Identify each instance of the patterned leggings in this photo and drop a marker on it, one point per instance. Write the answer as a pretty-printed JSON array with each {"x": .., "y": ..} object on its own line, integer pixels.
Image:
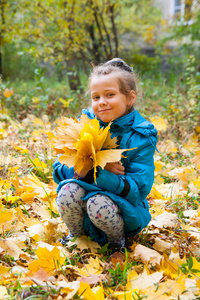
[{"x": 102, "y": 211}]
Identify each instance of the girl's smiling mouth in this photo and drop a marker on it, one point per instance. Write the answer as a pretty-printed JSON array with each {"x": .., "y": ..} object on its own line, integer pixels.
[{"x": 104, "y": 110}]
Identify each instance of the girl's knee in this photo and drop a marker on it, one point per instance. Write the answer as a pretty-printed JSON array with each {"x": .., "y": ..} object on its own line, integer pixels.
[
  {"x": 70, "y": 193},
  {"x": 93, "y": 204},
  {"x": 100, "y": 206}
]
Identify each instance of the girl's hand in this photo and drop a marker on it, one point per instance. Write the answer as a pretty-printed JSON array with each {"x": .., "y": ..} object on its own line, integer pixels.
[{"x": 115, "y": 168}]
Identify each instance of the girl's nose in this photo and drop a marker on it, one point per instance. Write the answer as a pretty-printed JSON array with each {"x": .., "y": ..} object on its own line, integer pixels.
[{"x": 102, "y": 100}]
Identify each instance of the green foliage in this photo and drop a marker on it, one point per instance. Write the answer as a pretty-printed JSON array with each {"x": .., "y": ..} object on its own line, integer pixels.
[
  {"x": 187, "y": 268},
  {"x": 56, "y": 30},
  {"x": 180, "y": 39},
  {"x": 136, "y": 296},
  {"x": 72, "y": 33},
  {"x": 17, "y": 63},
  {"x": 138, "y": 16},
  {"x": 189, "y": 26},
  {"x": 146, "y": 66},
  {"x": 35, "y": 48},
  {"x": 42, "y": 96},
  {"x": 118, "y": 275}
]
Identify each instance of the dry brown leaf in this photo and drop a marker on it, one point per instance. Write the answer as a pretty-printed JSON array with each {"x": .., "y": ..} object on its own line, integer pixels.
[
  {"x": 144, "y": 280},
  {"x": 118, "y": 257},
  {"x": 83, "y": 243},
  {"x": 196, "y": 159},
  {"x": 87, "y": 271},
  {"x": 161, "y": 246},
  {"x": 167, "y": 290},
  {"x": 11, "y": 248},
  {"x": 3, "y": 292},
  {"x": 4, "y": 271},
  {"x": 40, "y": 274},
  {"x": 147, "y": 255},
  {"x": 164, "y": 220},
  {"x": 69, "y": 289},
  {"x": 93, "y": 279}
]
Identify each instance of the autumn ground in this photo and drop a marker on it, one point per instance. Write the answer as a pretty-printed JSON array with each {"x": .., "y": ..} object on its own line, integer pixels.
[{"x": 163, "y": 261}]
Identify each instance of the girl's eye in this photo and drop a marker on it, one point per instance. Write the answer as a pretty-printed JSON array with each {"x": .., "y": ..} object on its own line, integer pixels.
[{"x": 95, "y": 98}]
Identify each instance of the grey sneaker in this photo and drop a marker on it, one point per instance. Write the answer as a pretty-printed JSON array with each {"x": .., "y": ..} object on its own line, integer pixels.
[{"x": 66, "y": 239}]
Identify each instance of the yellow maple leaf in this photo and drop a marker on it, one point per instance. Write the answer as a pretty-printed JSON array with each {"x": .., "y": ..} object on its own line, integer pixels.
[
  {"x": 28, "y": 197},
  {"x": 40, "y": 165},
  {"x": 112, "y": 155},
  {"x": 39, "y": 122},
  {"x": 198, "y": 283},
  {"x": 4, "y": 271},
  {"x": 38, "y": 186},
  {"x": 66, "y": 102},
  {"x": 5, "y": 215},
  {"x": 96, "y": 293},
  {"x": 8, "y": 93},
  {"x": 47, "y": 260},
  {"x": 21, "y": 149},
  {"x": 158, "y": 166},
  {"x": 128, "y": 295},
  {"x": 12, "y": 199},
  {"x": 3, "y": 133},
  {"x": 169, "y": 289},
  {"x": 142, "y": 281},
  {"x": 196, "y": 159},
  {"x": 160, "y": 123},
  {"x": 197, "y": 128},
  {"x": 196, "y": 265},
  {"x": 93, "y": 267},
  {"x": 51, "y": 137},
  {"x": 110, "y": 143},
  {"x": 4, "y": 184},
  {"x": 155, "y": 194},
  {"x": 83, "y": 140},
  {"x": 13, "y": 169}
]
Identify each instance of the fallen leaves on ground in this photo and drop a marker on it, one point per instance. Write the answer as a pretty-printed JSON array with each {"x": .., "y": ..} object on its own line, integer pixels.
[{"x": 163, "y": 261}]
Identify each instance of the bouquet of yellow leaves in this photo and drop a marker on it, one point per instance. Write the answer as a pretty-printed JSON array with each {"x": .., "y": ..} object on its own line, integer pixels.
[{"x": 80, "y": 141}]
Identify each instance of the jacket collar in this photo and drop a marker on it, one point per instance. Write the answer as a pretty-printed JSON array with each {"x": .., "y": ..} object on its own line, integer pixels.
[{"x": 133, "y": 119}]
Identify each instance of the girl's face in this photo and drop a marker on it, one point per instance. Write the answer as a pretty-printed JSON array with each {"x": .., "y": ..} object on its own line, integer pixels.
[{"x": 108, "y": 102}]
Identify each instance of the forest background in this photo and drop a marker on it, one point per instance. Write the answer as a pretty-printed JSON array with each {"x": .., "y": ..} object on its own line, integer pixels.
[{"x": 48, "y": 49}]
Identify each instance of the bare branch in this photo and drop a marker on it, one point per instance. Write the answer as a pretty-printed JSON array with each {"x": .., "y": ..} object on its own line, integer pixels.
[
  {"x": 99, "y": 28},
  {"x": 107, "y": 35},
  {"x": 114, "y": 29}
]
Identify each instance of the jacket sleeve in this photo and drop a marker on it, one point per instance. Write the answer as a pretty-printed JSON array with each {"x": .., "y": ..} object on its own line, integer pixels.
[
  {"x": 61, "y": 172},
  {"x": 137, "y": 182}
]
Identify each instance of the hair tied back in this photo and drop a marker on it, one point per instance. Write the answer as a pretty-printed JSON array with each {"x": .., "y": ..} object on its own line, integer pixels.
[{"x": 120, "y": 64}]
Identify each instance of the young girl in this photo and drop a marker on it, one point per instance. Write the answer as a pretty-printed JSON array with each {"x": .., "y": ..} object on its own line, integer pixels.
[{"x": 115, "y": 207}]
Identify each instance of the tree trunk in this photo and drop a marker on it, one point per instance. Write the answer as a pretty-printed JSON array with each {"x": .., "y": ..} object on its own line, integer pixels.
[
  {"x": 72, "y": 70},
  {"x": 73, "y": 75},
  {"x": 1, "y": 36},
  {"x": 95, "y": 45},
  {"x": 1, "y": 69}
]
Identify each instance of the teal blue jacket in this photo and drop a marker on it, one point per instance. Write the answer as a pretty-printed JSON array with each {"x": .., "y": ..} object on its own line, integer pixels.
[{"x": 128, "y": 191}]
